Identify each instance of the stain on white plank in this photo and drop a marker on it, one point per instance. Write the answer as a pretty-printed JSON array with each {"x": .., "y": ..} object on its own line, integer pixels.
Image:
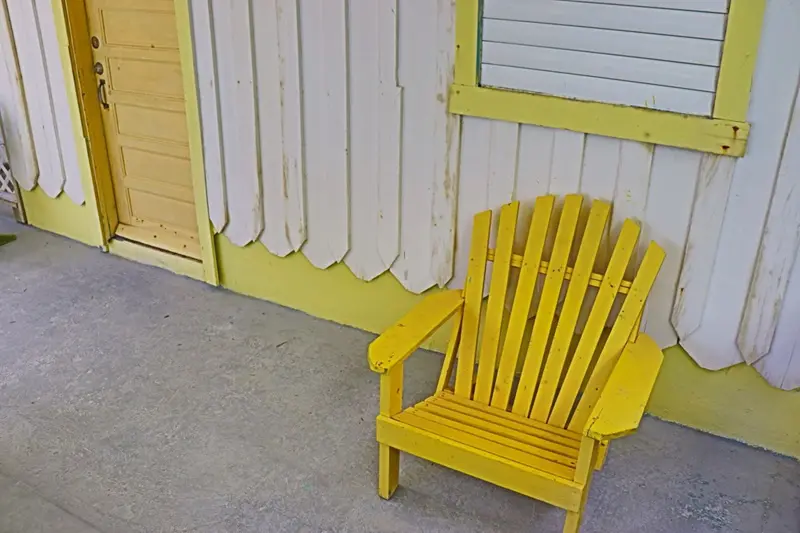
[
  {"x": 429, "y": 145},
  {"x": 781, "y": 367},
  {"x": 325, "y": 137},
  {"x": 280, "y": 125},
  {"x": 232, "y": 25},
  {"x": 206, "y": 79},
  {"x": 65, "y": 132},
  {"x": 713, "y": 344},
  {"x": 701, "y": 248},
  {"x": 534, "y": 162},
  {"x": 374, "y": 113},
  {"x": 669, "y": 203},
  {"x": 776, "y": 255},
  {"x": 620, "y": 43},
  {"x": 13, "y": 109},
  {"x": 598, "y": 182},
  {"x": 36, "y": 85}
]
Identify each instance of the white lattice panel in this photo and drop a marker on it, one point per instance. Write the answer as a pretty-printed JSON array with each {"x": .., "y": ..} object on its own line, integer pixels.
[{"x": 7, "y": 188}]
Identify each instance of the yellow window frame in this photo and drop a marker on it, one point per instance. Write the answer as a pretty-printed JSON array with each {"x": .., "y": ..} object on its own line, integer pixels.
[{"x": 725, "y": 132}]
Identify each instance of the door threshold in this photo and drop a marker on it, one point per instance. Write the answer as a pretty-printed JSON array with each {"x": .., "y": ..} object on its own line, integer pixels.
[{"x": 142, "y": 253}]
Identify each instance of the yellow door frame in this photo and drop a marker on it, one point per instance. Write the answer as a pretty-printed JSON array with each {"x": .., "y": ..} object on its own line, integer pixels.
[{"x": 73, "y": 34}]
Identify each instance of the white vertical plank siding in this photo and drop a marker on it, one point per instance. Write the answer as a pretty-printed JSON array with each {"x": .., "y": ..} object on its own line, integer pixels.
[
  {"x": 567, "y": 163},
  {"x": 701, "y": 249},
  {"x": 630, "y": 194},
  {"x": 713, "y": 344},
  {"x": 429, "y": 145},
  {"x": 232, "y": 25},
  {"x": 486, "y": 181},
  {"x": 598, "y": 181},
  {"x": 446, "y": 144},
  {"x": 781, "y": 367},
  {"x": 34, "y": 77},
  {"x": 325, "y": 137},
  {"x": 534, "y": 161},
  {"x": 776, "y": 255},
  {"x": 13, "y": 110},
  {"x": 67, "y": 147},
  {"x": 206, "y": 79},
  {"x": 390, "y": 187},
  {"x": 280, "y": 125},
  {"x": 374, "y": 113},
  {"x": 669, "y": 204}
]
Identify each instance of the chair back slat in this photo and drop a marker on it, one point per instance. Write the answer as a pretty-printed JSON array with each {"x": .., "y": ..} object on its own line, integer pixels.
[
  {"x": 504, "y": 249},
  {"x": 620, "y": 333},
  {"x": 553, "y": 282},
  {"x": 473, "y": 296},
  {"x": 529, "y": 272},
  {"x": 582, "y": 358},
  {"x": 570, "y": 310}
]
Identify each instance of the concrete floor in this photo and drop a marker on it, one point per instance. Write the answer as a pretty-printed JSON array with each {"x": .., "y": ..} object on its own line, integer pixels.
[{"x": 132, "y": 399}]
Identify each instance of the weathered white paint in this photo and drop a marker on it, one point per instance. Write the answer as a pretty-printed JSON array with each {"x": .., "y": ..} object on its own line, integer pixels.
[
  {"x": 324, "y": 73},
  {"x": 630, "y": 194},
  {"x": 374, "y": 113},
  {"x": 429, "y": 144},
  {"x": 232, "y": 31},
  {"x": 280, "y": 121},
  {"x": 713, "y": 344},
  {"x": 25, "y": 26},
  {"x": 698, "y": 262},
  {"x": 612, "y": 16},
  {"x": 776, "y": 255},
  {"x": 13, "y": 110},
  {"x": 415, "y": 176},
  {"x": 208, "y": 97}
]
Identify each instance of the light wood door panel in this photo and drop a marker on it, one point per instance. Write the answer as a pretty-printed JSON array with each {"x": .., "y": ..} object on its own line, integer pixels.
[{"x": 145, "y": 121}]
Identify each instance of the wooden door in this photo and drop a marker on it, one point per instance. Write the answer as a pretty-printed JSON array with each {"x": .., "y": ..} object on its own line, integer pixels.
[{"x": 140, "y": 85}]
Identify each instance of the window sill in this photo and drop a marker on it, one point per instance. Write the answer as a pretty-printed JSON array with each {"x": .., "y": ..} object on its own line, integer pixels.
[{"x": 716, "y": 136}]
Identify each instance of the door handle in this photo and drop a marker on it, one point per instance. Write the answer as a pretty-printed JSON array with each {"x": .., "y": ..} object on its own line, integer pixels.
[{"x": 101, "y": 94}]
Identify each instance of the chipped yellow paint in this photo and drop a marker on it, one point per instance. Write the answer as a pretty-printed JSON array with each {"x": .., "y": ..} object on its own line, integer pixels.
[{"x": 400, "y": 340}]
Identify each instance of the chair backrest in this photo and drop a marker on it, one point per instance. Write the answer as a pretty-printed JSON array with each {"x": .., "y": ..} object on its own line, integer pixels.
[{"x": 562, "y": 373}]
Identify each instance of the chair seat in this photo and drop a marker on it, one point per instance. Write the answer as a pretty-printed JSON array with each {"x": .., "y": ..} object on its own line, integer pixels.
[{"x": 497, "y": 432}]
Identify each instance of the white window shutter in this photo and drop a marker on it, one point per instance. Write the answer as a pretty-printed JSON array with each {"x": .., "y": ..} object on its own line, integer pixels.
[{"x": 659, "y": 54}]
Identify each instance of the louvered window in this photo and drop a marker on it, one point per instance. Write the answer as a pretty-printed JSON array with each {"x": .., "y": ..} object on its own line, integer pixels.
[{"x": 659, "y": 54}]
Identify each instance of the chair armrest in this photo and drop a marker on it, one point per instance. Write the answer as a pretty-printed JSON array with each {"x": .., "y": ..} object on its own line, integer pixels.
[
  {"x": 400, "y": 340},
  {"x": 621, "y": 405}
]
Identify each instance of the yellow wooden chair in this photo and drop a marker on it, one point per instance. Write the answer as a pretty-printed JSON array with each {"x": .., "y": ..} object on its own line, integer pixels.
[{"x": 543, "y": 434}]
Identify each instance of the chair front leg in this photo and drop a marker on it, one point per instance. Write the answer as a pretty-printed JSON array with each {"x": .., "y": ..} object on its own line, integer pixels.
[
  {"x": 391, "y": 403},
  {"x": 587, "y": 459},
  {"x": 602, "y": 453}
]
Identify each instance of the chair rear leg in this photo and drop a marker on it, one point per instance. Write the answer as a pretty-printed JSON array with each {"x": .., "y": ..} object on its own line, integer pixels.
[{"x": 388, "y": 470}]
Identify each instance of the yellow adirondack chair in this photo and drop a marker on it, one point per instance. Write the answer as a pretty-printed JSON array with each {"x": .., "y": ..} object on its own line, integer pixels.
[{"x": 543, "y": 434}]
